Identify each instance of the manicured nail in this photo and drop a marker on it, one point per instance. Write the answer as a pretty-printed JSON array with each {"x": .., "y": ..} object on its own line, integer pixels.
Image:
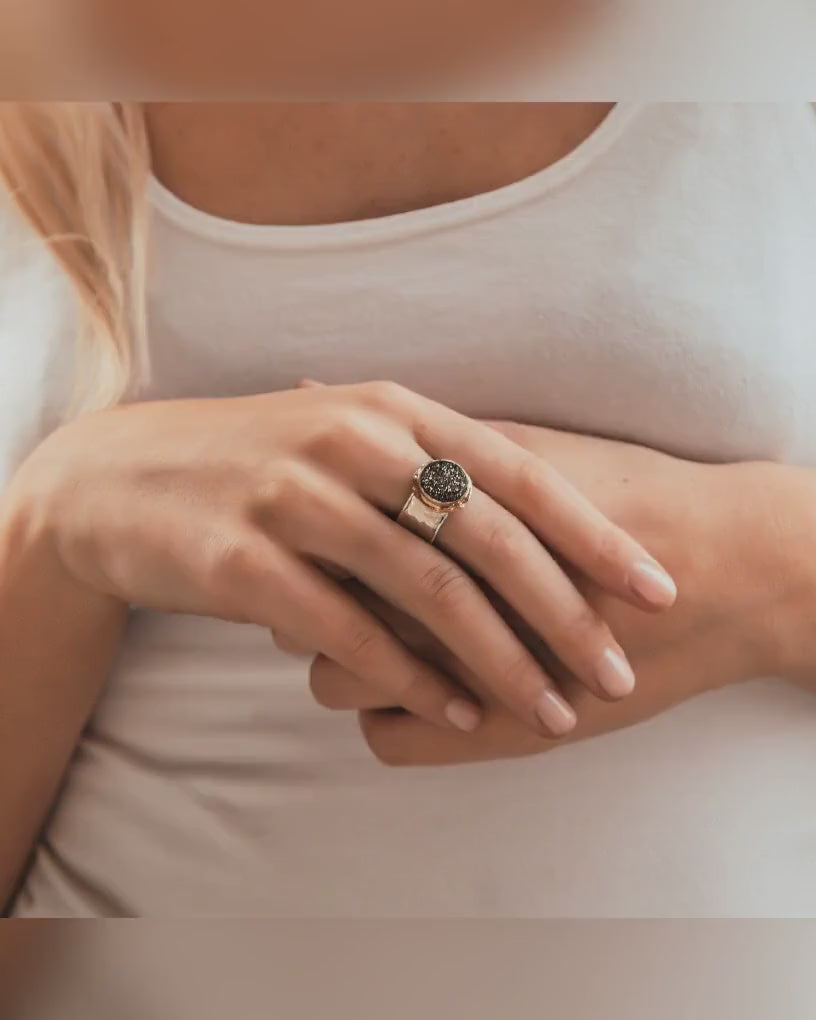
[
  {"x": 557, "y": 715},
  {"x": 652, "y": 583},
  {"x": 464, "y": 715},
  {"x": 615, "y": 674}
]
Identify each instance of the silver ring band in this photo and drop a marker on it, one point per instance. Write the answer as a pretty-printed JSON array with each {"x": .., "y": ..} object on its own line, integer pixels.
[
  {"x": 438, "y": 489},
  {"x": 421, "y": 519}
]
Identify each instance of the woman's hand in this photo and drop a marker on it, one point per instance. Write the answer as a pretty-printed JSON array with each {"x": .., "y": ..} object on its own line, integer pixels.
[
  {"x": 734, "y": 536},
  {"x": 224, "y": 508}
]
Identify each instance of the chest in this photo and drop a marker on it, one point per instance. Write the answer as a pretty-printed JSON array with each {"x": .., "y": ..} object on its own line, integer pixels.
[{"x": 663, "y": 295}]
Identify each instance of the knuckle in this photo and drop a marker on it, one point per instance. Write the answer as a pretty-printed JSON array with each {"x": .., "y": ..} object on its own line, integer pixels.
[
  {"x": 384, "y": 395},
  {"x": 292, "y": 483},
  {"x": 325, "y": 692},
  {"x": 343, "y": 430},
  {"x": 287, "y": 644},
  {"x": 504, "y": 542},
  {"x": 519, "y": 674},
  {"x": 380, "y": 740},
  {"x": 585, "y": 629},
  {"x": 412, "y": 688},
  {"x": 511, "y": 430},
  {"x": 361, "y": 645},
  {"x": 610, "y": 548},
  {"x": 447, "y": 585},
  {"x": 389, "y": 754},
  {"x": 533, "y": 482},
  {"x": 229, "y": 563}
]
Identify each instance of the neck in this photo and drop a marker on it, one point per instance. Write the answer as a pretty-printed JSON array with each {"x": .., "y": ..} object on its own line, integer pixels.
[{"x": 303, "y": 163}]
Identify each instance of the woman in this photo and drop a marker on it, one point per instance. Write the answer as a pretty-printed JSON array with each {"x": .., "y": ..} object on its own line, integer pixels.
[{"x": 609, "y": 270}]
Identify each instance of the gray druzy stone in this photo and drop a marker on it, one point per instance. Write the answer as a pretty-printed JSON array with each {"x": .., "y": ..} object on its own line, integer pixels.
[{"x": 444, "y": 481}]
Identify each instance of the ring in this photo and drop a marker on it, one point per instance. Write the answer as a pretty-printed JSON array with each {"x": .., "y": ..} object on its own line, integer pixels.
[{"x": 439, "y": 487}]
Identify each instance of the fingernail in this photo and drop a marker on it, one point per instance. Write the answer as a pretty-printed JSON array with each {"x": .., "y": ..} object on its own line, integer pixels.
[
  {"x": 557, "y": 715},
  {"x": 652, "y": 583},
  {"x": 306, "y": 384},
  {"x": 614, "y": 674},
  {"x": 464, "y": 715}
]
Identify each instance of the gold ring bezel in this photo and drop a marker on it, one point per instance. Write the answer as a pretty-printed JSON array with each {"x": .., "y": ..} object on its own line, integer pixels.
[{"x": 435, "y": 504}]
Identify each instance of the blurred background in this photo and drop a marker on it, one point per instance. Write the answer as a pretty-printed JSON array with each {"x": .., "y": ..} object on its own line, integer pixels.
[
  {"x": 569, "y": 970},
  {"x": 444, "y": 49}
]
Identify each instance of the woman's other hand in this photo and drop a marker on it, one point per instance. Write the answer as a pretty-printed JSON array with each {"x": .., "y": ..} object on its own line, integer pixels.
[{"x": 718, "y": 528}]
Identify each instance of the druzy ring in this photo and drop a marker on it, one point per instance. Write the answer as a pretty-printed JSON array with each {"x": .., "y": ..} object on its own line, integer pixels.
[{"x": 438, "y": 488}]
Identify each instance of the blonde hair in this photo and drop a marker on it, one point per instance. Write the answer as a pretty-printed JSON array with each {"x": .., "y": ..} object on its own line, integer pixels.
[{"x": 78, "y": 172}]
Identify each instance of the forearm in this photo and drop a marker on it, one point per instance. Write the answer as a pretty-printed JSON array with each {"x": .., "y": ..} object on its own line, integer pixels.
[
  {"x": 57, "y": 643},
  {"x": 779, "y": 502}
]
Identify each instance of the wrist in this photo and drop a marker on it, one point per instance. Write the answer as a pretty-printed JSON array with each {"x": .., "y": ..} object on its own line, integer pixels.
[
  {"x": 773, "y": 564},
  {"x": 30, "y": 561},
  {"x": 32, "y": 539}
]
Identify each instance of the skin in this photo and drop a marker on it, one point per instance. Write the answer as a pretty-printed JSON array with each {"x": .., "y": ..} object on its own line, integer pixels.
[
  {"x": 735, "y": 536},
  {"x": 226, "y": 508},
  {"x": 88, "y": 525},
  {"x": 298, "y": 164},
  {"x": 216, "y": 507}
]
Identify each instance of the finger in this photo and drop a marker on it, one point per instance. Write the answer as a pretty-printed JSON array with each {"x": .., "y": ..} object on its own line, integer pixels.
[
  {"x": 308, "y": 384},
  {"x": 500, "y": 549},
  {"x": 331, "y": 522},
  {"x": 537, "y": 494},
  {"x": 409, "y": 630},
  {"x": 289, "y": 645},
  {"x": 336, "y": 688},
  {"x": 269, "y": 586},
  {"x": 564, "y": 518},
  {"x": 398, "y": 739},
  {"x": 403, "y": 740}
]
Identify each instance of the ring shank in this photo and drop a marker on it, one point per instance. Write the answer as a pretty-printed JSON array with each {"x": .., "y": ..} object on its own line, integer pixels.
[{"x": 421, "y": 519}]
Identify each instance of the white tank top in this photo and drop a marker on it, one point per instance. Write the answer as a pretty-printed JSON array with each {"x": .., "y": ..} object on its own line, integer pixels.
[{"x": 655, "y": 285}]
